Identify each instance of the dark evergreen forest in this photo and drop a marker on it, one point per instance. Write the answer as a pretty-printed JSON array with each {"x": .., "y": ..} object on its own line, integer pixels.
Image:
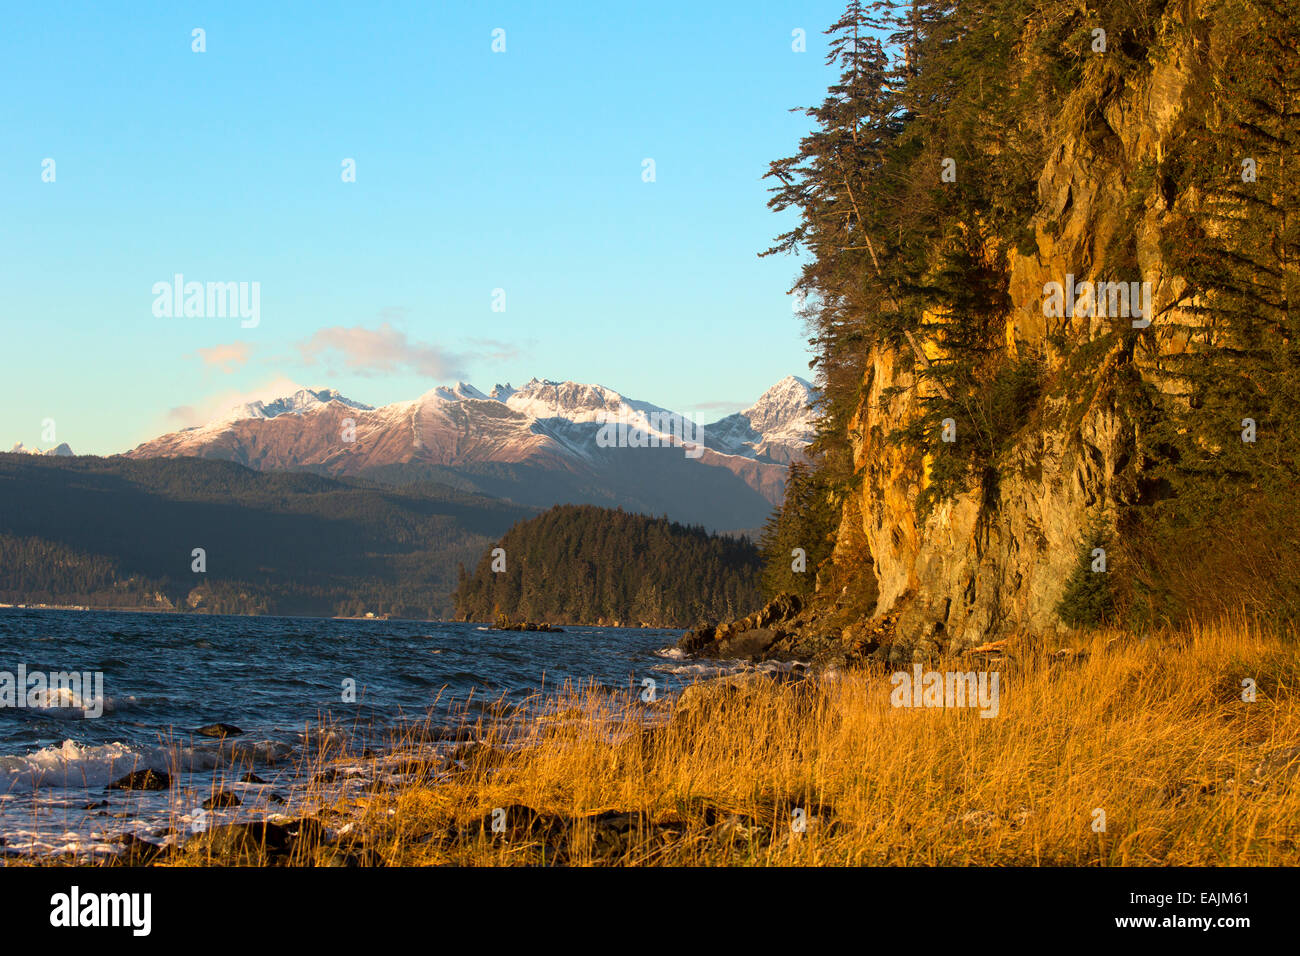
[{"x": 580, "y": 564}]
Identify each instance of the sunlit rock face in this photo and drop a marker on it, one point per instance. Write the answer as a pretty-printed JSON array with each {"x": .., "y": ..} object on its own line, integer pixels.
[{"x": 994, "y": 560}]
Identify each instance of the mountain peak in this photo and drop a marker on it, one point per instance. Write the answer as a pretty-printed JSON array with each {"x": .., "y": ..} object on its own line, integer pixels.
[
  {"x": 302, "y": 399},
  {"x": 785, "y": 402},
  {"x": 578, "y": 402},
  {"x": 462, "y": 390},
  {"x": 62, "y": 450},
  {"x": 777, "y": 427},
  {"x": 792, "y": 386}
]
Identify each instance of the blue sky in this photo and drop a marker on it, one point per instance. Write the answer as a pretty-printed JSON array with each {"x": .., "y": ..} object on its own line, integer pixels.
[{"x": 475, "y": 171}]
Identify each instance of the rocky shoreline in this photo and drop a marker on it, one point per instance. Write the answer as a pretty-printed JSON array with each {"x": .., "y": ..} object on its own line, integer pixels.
[
  {"x": 332, "y": 836},
  {"x": 787, "y": 628},
  {"x": 818, "y": 765}
]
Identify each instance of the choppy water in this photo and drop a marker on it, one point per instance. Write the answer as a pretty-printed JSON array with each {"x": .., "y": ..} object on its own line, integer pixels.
[{"x": 278, "y": 679}]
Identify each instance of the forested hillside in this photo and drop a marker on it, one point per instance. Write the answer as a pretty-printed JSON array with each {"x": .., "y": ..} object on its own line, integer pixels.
[
  {"x": 983, "y": 441},
  {"x": 115, "y": 532},
  {"x": 581, "y": 564}
]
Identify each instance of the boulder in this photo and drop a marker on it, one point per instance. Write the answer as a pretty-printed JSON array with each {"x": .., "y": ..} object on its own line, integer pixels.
[
  {"x": 219, "y": 730},
  {"x": 697, "y": 639},
  {"x": 260, "y": 841},
  {"x": 749, "y": 637},
  {"x": 142, "y": 780},
  {"x": 221, "y": 800},
  {"x": 136, "y": 851},
  {"x": 750, "y": 644}
]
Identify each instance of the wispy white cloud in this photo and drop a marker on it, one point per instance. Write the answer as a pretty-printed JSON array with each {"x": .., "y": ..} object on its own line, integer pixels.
[
  {"x": 381, "y": 351},
  {"x": 226, "y": 358}
]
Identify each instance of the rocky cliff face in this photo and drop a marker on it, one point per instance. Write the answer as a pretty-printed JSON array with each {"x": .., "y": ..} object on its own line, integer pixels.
[
  {"x": 1041, "y": 397},
  {"x": 994, "y": 559}
]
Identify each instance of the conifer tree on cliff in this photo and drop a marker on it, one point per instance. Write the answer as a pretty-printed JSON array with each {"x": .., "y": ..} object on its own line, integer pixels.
[{"x": 828, "y": 182}]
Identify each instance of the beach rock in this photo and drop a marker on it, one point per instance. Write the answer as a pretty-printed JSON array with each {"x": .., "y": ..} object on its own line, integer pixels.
[
  {"x": 749, "y": 644},
  {"x": 251, "y": 777},
  {"x": 219, "y": 730},
  {"x": 136, "y": 851},
  {"x": 783, "y": 607},
  {"x": 749, "y": 637},
  {"x": 698, "y": 638},
  {"x": 142, "y": 780},
  {"x": 262, "y": 841},
  {"x": 220, "y": 800}
]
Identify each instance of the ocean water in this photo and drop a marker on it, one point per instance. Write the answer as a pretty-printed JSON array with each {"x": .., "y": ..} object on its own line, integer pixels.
[{"x": 278, "y": 679}]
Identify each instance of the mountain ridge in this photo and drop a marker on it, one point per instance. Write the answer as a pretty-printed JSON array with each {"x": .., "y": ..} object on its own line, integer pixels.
[{"x": 539, "y": 444}]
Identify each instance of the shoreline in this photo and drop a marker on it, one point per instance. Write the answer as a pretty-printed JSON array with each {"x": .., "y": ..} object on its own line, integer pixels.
[
  {"x": 278, "y": 680},
  {"x": 429, "y": 751},
  {"x": 201, "y": 613},
  {"x": 332, "y": 617},
  {"x": 821, "y": 768}
]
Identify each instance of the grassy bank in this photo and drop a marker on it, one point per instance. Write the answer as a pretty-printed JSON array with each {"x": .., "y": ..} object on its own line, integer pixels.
[{"x": 1154, "y": 733}]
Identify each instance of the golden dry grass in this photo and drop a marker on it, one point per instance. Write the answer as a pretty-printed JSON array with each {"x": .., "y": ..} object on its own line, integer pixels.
[{"x": 1155, "y": 733}]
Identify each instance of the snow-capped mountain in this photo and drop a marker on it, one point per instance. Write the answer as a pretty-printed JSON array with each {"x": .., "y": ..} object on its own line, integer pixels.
[
  {"x": 541, "y": 443},
  {"x": 777, "y": 427},
  {"x": 462, "y": 390},
  {"x": 572, "y": 401},
  {"x": 300, "y": 401},
  {"x": 61, "y": 450}
]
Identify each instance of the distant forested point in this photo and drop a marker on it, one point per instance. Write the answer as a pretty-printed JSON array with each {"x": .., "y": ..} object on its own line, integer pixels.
[{"x": 580, "y": 564}]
